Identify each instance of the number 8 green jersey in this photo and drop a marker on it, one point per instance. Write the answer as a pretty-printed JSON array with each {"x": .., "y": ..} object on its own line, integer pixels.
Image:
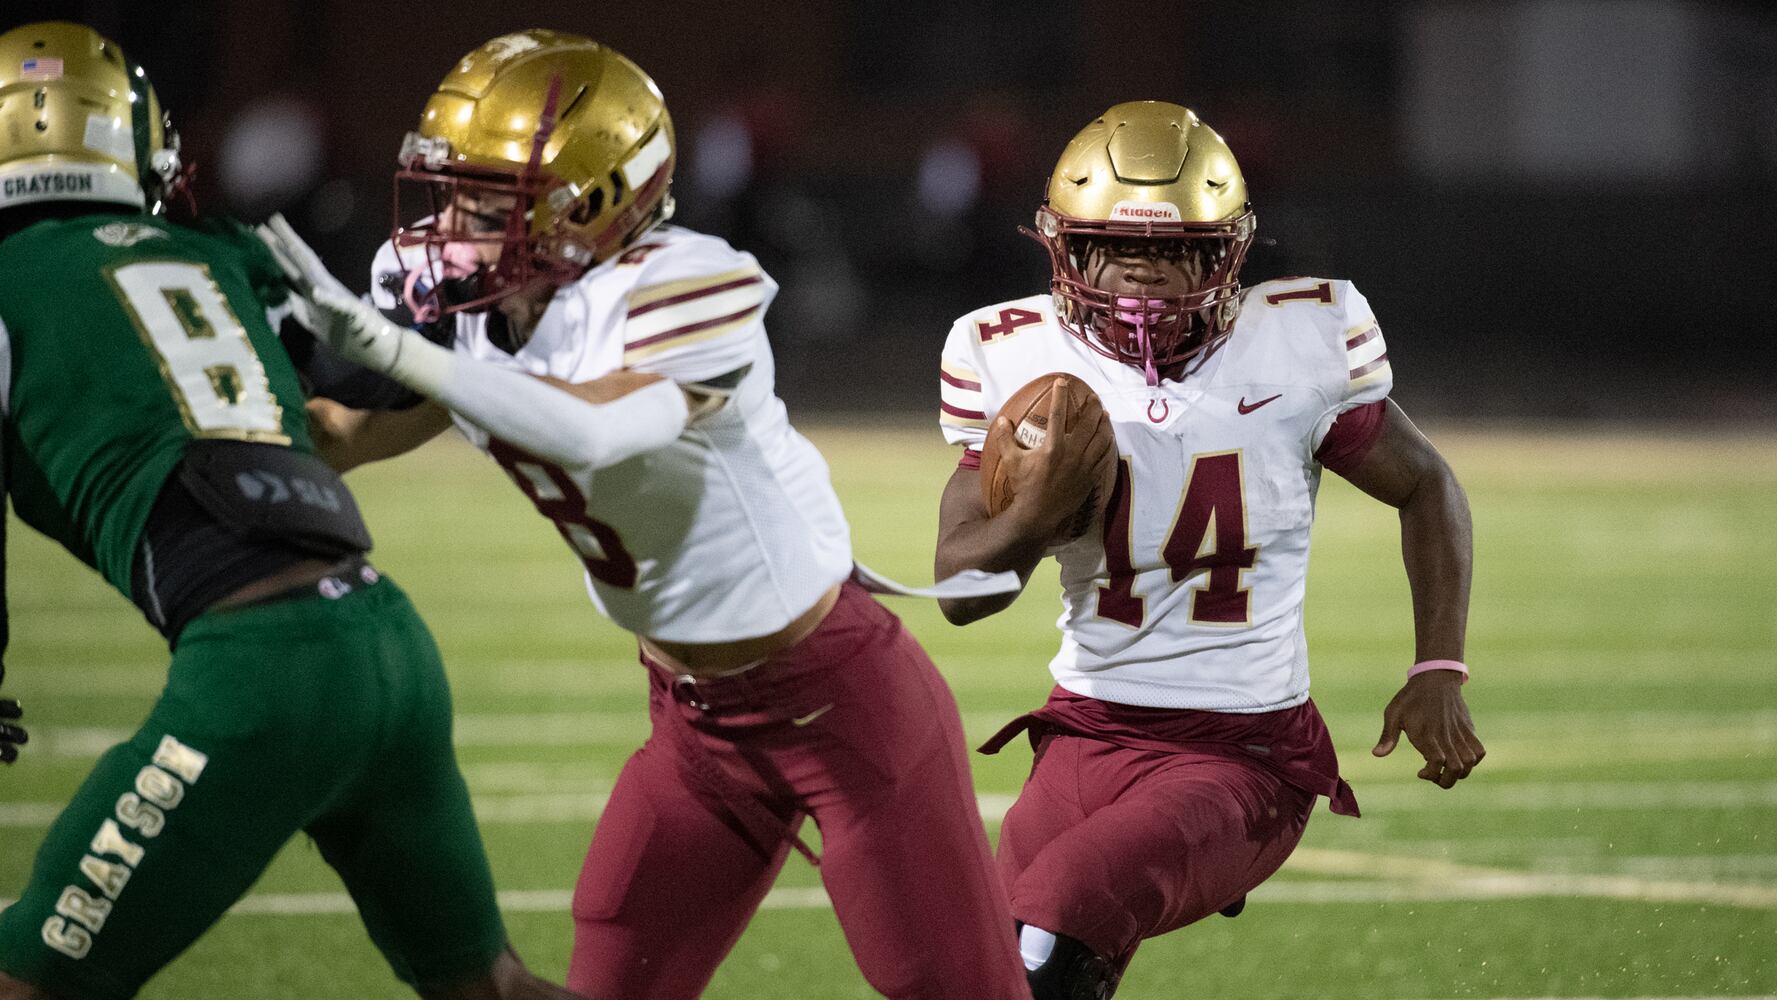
[{"x": 122, "y": 338}]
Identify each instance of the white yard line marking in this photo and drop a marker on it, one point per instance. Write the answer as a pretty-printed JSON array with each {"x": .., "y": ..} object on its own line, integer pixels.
[
  {"x": 511, "y": 901},
  {"x": 1579, "y": 856},
  {"x": 549, "y": 679},
  {"x": 1543, "y": 726},
  {"x": 312, "y": 904},
  {"x": 1288, "y": 892},
  {"x": 555, "y": 802},
  {"x": 1433, "y": 879},
  {"x": 1734, "y": 736},
  {"x": 29, "y": 815},
  {"x": 1398, "y": 878},
  {"x": 1564, "y": 796},
  {"x": 78, "y": 742},
  {"x": 552, "y": 729}
]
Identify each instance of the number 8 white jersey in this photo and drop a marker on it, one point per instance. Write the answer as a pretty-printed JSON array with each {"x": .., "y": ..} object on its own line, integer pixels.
[
  {"x": 1191, "y": 596},
  {"x": 732, "y": 530}
]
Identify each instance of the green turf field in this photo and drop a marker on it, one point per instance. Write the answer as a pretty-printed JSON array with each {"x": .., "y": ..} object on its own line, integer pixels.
[{"x": 1619, "y": 841}]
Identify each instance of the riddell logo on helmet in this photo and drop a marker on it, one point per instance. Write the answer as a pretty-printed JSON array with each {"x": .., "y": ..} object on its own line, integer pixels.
[{"x": 1147, "y": 211}]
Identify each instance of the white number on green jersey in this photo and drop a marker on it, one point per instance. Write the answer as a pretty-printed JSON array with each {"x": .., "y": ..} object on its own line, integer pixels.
[{"x": 203, "y": 351}]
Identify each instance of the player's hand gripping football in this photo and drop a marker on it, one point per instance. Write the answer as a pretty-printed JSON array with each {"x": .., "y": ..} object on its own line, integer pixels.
[
  {"x": 1048, "y": 482},
  {"x": 1430, "y": 710},
  {"x": 12, "y": 735},
  {"x": 343, "y": 322}
]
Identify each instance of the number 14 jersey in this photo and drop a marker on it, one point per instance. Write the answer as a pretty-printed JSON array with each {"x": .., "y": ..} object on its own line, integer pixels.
[{"x": 1190, "y": 593}]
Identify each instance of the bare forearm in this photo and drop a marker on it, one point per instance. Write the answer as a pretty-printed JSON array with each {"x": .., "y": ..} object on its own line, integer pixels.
[
  {"x": 969, "y": 539},
  {"x": 991, "y": 544},
  {"x": 347, "y": 438},
  {"x": 1437, "y": 547}
]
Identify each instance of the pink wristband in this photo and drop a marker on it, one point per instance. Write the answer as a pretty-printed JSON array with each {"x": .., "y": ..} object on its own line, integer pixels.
[{"x": 1422, "y": 666}]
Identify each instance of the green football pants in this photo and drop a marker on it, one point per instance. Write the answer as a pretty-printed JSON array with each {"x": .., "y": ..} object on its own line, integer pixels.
[{"x": 329, "y": 715}]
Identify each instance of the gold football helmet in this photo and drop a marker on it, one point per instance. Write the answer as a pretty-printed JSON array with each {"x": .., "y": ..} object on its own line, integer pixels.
[
  {"x": 79, "y": 122},
  {"x": 1151, "y": 171},
  {"x": 578, "y": 135}
]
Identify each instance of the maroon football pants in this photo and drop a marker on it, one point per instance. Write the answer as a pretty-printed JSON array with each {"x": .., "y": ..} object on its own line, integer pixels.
[
  {"x": 852, "y": 727},
  {"x": 1110, "y": 845}
]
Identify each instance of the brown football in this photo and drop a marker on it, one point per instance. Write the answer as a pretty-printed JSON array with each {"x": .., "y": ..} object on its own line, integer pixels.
[{"x": 1028, "y": 412}]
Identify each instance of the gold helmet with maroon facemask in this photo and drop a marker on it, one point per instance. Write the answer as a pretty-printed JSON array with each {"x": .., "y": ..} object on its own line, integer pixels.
[
  {"x": 1152, "y": 172},
  {"x": 574, "y": 133}
]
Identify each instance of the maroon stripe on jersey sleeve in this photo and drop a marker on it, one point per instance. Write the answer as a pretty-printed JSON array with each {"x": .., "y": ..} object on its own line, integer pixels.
[
  {"x": 1351, "y": 436},
  {"x": 696, "y": 293},
  {"x": 957, "y": 411},
  {"x": 689, "y": 328},
  {"x": 1361, "y": 370},
  {"x": 1362, "y": 338},
  {"x": 960, "y": 383}
]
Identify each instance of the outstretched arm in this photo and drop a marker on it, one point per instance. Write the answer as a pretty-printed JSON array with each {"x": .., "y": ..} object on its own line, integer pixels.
[
  {"x": 1404, "y": 470},
  {"x": 548, "y": 418}
]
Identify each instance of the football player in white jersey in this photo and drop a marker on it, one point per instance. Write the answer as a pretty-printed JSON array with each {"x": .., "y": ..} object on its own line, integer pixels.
[
  {"x": 1179, "y": 754},
  {"x": 618, "y": 369}
]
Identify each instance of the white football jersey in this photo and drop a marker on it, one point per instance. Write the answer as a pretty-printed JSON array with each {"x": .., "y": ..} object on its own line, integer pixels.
[
  {"x": 731, "y": 531},
  {"x": 1191, "y": 596}
]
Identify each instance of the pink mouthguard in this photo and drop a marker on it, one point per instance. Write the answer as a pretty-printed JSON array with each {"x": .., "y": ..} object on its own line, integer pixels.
[{"x": 458, "y": 260}]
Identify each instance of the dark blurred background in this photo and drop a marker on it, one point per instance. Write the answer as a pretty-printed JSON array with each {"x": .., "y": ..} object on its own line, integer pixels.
[{"x": 1558, "y": 208}]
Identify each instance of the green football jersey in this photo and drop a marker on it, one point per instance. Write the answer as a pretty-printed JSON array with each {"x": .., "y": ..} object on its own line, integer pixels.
[{"x": 122, "y": 338}]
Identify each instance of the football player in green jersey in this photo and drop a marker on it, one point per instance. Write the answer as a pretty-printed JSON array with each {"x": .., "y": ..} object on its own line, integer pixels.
[{"x": 153, "y": 426}]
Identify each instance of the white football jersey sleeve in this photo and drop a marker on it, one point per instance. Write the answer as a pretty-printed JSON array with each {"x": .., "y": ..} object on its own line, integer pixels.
[
  {"x": 694, "y": 314},
  {"x": 965, "y": 380},
  {"x": 1368, "y": 377},
  {"x": 1191, "y": 594},
  {"x": 732, "y": 530}
]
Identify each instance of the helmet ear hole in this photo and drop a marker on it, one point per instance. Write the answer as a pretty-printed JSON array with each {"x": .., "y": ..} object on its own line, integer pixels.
[{"x": 588, "y": 208}]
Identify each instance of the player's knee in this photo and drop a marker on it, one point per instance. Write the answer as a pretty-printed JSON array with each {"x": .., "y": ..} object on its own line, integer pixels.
[{"x": 1063, "y": 968}]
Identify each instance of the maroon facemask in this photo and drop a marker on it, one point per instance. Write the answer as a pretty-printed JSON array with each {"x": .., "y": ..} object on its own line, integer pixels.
[
  {"x": 1153, "y": 334},
  {"x": 449, "y": 251},
  {"x": 450, "y": 257}
]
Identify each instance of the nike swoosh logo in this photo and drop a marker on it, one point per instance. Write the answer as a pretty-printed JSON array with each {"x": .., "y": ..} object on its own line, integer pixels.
[
  {"x": 803, "y": 720},
  {"x": 1244, "y": 408}
]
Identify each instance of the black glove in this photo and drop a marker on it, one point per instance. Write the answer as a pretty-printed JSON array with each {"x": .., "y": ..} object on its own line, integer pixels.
[{"x": 12, "y": 736}]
